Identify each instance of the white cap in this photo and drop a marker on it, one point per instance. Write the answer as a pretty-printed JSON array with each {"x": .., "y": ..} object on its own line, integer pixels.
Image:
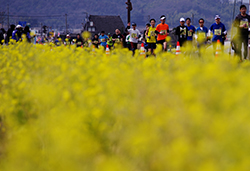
[
  {"x": 182, "y": 19},
  {"x": 67, "y": 35},
  {"x": 216, "y": 17},
  {"x": 163, "y": 18},
  {"x": 18, "y": 26}
]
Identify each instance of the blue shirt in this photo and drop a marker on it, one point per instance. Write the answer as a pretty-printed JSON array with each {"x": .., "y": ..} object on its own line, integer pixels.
[
  {"x": 218, "y": 30},
  {"x": 103, "y": 39},
  {"x": 202, "y": 34},
  {"x": 14, "y": 35},
  {"x": 190, "y": 34},
  {"x": 203, "y": 29}
]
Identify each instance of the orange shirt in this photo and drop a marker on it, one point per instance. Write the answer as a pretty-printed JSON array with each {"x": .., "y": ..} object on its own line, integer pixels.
[{"x": 164, "y": 29}]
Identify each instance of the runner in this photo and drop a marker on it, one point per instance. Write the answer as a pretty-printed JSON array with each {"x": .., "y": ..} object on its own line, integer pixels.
[
  {"x": 67, "y": 41},
  {"x": 117, "y": 37},
  {"x": 219, "y": 30},
  {"x": 145, "y": 39},
  {"x": 191, "y": 29},
  {"x": 162, "y": 30},
  {"x": 201, "y": 33},
  {"x": 151, "y": 37},
  {"x": 17, "y": 33},
  {"x": 134, "y": 36},
  {"x": 26, "y": 32},
  {"x": 103, "y": 39},
  {"x": 57, "y": 41},
  {"x": 110, "y": 41},
  {"x": 242, "y": 23},
  {"x": 2, "y": 36},
  {"x": 182, "y": 32},
  {"x": 9, "y": 33},
  {"x": 79, "y": 41},
  {"x": 95, "y": 41}
]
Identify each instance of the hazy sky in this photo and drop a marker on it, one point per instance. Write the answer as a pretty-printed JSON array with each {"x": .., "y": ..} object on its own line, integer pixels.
[{"x": 244, "y": 1}]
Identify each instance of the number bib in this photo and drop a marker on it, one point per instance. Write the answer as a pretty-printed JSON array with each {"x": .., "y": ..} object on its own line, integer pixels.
[
  {"x": 164, "y": 32},
  {"x": 217, "y": 32},
  {"x": 190, "y": 34},
  {"x": 103, "y": 40},
  {"x": 152, "y": 33},
  {"x": 242, "y": 22},
  {"x": 133, "y": 35},
  {"x": 202, "y": 35},
  {"x": 184, "y": 31}
]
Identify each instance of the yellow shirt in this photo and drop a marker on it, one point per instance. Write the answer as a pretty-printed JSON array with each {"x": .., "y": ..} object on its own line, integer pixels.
[{"x": 151, "y": 35}]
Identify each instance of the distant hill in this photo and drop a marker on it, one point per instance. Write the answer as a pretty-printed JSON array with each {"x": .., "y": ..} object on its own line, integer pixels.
[{"x": 143, "y": 10}]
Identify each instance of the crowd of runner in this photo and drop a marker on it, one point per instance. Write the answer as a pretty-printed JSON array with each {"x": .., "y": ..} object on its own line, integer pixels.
[{"x": 151, "y": 37}]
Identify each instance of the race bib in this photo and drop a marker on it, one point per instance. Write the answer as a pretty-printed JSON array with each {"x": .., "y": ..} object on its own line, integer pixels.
[
  {"x": 164, "y": 32},
  {"x": 152, "y": 33},
  {"x": 133, "y": 35},
  {"x": 190, "y": 34},
  {"x": 117, "y": 40},
  {"x": 202, "y": 35},
  {"x": 103, "y": 40},
  {"x": 217, "y": 32},
  {"x": 183, "y": 31},
  {"x": 79, "y": 43},
  {"x": 243, "y": 22}
]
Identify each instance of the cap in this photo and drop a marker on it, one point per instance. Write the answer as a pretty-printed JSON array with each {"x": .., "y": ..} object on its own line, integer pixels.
[
  {"x": 108, "y": 33},
  {"x": 18, "y": 26},
  {"x": 182, "y": 19},
  {"x": 133, "y": 24},
  {"x": 216, "y": 17},
  {"x": 67, "y": 35},
  {"x": 163, "y": 17}
]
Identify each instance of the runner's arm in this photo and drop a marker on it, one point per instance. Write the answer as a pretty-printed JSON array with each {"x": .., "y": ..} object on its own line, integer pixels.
[
  {"x": 224, "y": 30},
  {"x": 139, "y": 35},
  {"x": 177, "y": 31},
  {"x": 127, "y": 29}
]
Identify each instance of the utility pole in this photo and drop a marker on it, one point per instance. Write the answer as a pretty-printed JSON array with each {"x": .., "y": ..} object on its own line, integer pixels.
[
  {"x": 129, "y": 7},
  {"x": 249, "y": 7},
  {"x": 234, "y": 8},
  {"x": 192, "y": 18},
  {"x": 230, "y": 51},
  {"x": 8, "y": 18},
  {"x": 66, "y": 22},
  {"x": 41, "y": 29}
]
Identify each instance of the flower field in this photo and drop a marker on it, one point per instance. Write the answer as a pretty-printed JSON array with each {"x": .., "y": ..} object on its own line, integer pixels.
[{"x": 78, "y": 109}]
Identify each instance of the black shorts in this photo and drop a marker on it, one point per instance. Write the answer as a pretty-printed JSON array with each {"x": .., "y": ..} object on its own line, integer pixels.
[
  {"x": 161, "y": 41},
  {"x": 151, "y": 45}
]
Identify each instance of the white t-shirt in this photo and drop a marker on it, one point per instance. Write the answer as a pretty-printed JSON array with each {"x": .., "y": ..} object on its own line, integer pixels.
[{"x": 133, "y": 34}]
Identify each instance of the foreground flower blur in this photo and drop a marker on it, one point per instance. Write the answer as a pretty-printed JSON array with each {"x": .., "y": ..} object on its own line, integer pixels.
[{"x": 75, "y": 109}]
